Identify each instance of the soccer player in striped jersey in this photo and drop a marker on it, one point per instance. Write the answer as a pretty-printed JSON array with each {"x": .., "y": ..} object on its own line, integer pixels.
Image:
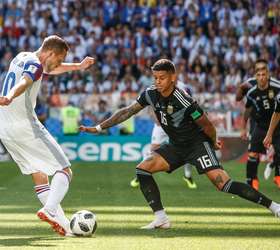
[
  {"x": 31, "y": 146},
  {"x": 261, "y": 93},
  {"x": 159, "y": 137},
  {"x": 192, "y": 139}
]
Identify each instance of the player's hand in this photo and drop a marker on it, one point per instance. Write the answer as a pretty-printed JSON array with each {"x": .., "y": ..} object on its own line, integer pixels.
[
  {"x": 88, "y": 129},
  {"x": 4, "y": 101},
  {"x": 218, "y": 145},
  {"x": 86, "y": 63},
  {"x": 267, "y": 141},
  {"x": 243, "y": 134}
]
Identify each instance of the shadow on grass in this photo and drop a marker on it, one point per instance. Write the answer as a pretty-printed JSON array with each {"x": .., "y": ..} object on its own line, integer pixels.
[
  {"x": 34, "y": 241},
  {"x": 258, "y": 232},
  {"x": 217, "y": 212},
  {"x": 219, "y": 230}
]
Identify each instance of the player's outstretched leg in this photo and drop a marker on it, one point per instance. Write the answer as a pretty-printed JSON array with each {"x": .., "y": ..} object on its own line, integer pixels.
[
  {"x": 223, "y": 182},
  {"x": 51, "y": 212},
  {"x": 188, "y": 177}
]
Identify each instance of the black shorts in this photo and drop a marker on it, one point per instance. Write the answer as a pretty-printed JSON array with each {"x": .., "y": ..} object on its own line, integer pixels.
[
  {"x": 201, "y": 155},
  {"x": 256, "y": 140}
]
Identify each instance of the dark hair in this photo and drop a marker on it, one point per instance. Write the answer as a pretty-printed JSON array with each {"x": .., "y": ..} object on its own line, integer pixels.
[
  {"x": 164, "y": 65},
  {"x": 261, "y": 60},
  {"x": 55, "y": 43}
]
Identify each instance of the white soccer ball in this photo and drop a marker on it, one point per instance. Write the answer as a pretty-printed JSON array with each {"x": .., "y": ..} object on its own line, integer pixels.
[{"x": 83, "y": 223}]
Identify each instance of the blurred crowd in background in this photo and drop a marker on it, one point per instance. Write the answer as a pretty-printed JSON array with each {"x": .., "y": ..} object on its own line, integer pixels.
[{"x": 214, "y": 45}]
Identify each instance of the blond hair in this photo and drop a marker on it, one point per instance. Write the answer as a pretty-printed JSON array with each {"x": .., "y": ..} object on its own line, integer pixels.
[{"x": 55, "y": 43}]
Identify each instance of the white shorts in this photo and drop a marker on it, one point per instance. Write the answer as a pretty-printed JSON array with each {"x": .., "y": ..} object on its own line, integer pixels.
[
  {"x": 41, "y": 154},
  {"x": 158, "y": 135}
]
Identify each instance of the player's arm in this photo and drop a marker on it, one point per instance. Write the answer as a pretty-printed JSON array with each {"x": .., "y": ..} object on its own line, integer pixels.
[
  {"x": 208, "y": 129},
  {"x": 242, "y": 90},
  {"x": 118, "y": 117},
  {"x": 24, "y": 82},
  {"x": 272, "y": 126},
  {"x": 197, "y": 115},
  {"x": 246, "y": 116},
  {"x": 66, "y": 67}
]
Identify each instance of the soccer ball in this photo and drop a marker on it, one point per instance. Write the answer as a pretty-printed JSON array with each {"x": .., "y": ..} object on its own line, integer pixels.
[{"x": 83, "y": 223}]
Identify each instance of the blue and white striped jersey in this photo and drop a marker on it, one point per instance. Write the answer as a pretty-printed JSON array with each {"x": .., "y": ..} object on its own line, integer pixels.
[{"x": 18, "y": 119}]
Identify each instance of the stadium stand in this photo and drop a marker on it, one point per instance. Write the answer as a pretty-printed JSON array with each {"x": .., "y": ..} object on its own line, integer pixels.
[{"x": 213, "y": 43}]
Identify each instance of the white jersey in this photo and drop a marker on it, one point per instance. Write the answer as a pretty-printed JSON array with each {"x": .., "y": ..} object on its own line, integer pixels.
[
  {"x": 158, "y": 135},
  {"x": 18, "y": 120}
]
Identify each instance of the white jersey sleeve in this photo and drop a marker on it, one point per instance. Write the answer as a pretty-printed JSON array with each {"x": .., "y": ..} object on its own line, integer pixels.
[{"x": 18, "y": 118}]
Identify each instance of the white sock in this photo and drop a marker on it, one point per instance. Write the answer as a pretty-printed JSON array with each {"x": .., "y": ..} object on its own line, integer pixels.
[
  {"x": 161, "y": 214},
  {"x": 59, "y": 188},
  {"x": 188, "y": 170},
  {"x": 274, "y": 207},
  {"x": 42, "y": 192}
]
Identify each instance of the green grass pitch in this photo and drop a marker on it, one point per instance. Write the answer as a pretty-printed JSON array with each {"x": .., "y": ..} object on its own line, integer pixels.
[{"x": 201, "y": 219}]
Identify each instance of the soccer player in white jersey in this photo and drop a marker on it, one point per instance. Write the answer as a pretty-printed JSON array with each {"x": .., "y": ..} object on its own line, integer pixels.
[{"x": 31, "y": 146}]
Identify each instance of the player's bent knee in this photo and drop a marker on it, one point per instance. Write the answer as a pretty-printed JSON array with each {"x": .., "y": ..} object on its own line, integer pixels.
[
  {"x": 68, "y": 172},
  {"x": 219, "y": 178},
  {"x": 40, "y": 178},
  {"x": 146, "y": 166}
]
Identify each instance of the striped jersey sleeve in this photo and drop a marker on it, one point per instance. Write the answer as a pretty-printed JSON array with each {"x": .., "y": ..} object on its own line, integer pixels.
[
  {"x": 248, "y": 84},
  {"x": 144, "y": 98},
  {"x": 192, "y": 108},
  {"x": 250, "y": 101}
]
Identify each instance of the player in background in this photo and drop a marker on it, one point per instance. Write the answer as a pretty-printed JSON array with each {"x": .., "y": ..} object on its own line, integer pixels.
[
  {"x": 192, "y": 139},
  {"x": 159, "y": 137},
  {"x": 29, "y": 143},
  {"x": 273, "y": 129},
  {"x": 256, "y": 147}
]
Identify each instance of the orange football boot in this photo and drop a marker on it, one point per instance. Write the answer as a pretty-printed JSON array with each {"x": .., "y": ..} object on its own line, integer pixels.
[
  {"x": 255, "y": 183},
  {"x": 276, "y": 180}
]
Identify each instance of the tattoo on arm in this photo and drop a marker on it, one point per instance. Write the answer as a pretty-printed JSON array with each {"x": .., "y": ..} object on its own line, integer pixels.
[
  {"x": 207, "y": 126},
  {"x": 218, "y": 180},
  {"x": 121, "y": 115}
]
